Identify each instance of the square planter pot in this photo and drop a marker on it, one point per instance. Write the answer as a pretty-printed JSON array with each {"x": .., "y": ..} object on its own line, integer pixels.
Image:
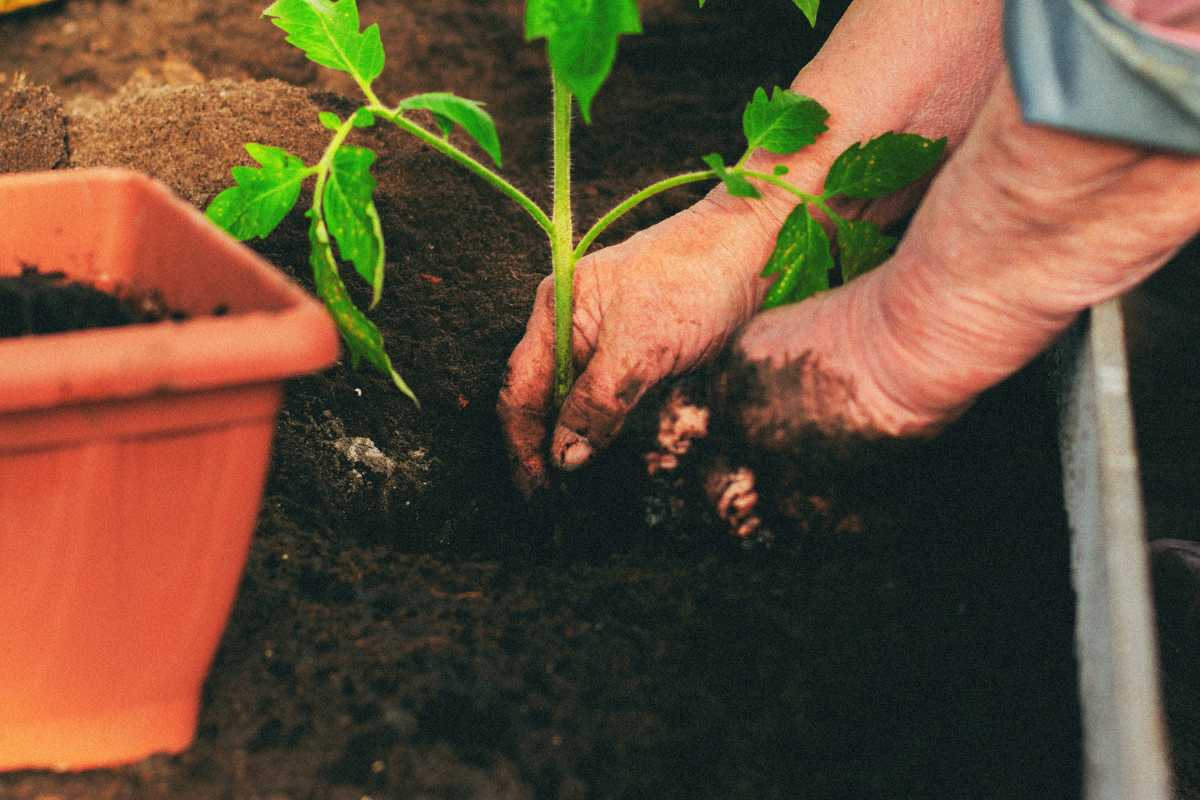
[{"x": 132, "y": 463}]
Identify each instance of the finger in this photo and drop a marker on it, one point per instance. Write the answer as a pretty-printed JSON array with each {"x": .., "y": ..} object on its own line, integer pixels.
[
  {"x": 734, "y": 495},
  {"x": 597, "y": 405},
  {"x": 684, "y": 418},
  {"x": 524, "y": 404}
]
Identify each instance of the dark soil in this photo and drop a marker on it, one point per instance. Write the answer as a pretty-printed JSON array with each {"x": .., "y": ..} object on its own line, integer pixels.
[
  {"x": 408, "y": 628},
  {"x": 38, "y": 302},
  {"x": 1163, "y": 332}
]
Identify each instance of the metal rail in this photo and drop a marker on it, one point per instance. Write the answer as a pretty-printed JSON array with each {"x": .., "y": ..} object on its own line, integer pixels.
[{"x": 1124, "y": 737}]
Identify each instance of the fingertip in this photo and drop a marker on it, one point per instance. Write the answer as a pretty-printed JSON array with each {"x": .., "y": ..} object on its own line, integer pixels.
[
  {"x": 593, "y": 413},
  {"x": 523, "y": 424},
  {"x": 570, "y": 450},
  {"x": 530, "y": 476}
]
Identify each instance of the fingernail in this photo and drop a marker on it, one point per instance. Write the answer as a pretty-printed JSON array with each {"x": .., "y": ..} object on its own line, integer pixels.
[{"x": 575, "y": 451}]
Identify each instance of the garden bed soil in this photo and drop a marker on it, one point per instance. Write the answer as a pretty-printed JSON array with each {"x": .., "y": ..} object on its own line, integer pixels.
[{"x": 407, "y": 626}]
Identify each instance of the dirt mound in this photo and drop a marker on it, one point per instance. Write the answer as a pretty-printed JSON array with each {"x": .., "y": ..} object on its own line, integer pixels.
[
  {"x": 405, "y": 627},
  {"x": 33, "y": 128},
  {"x": 188, "y": 136}
]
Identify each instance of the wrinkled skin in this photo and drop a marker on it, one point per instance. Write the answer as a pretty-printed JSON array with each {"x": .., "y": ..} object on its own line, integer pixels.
[
  {"x": 670, "y": 298},
  {"x": 1023, "y": 228},
  {"x": 630, "y": 331}
]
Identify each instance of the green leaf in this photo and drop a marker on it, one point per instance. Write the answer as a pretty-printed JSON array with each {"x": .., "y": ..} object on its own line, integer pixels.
[
  {"x": 785, "y": 123},
  {"x": 263, "y": 195},
  {"x": 883, "y": 165},
  {"x": 444, "y": 123},
  {"x": 737, "y": 184},
  {"x": 780, "y": 170},
  {"x": 801, "y": 259},
  {"x": 581, "y": 38},
  {"x": 362, "y": 338},
  {"x": 363, "y": 118},
  {"x": 861, "y": 247},
  {"x": 450, "y": 109},
  {"x": 327, "y": 32},
  {"x": 810, "y": 8},
  {"x": 351, "y": 216},
  {"x": 330, "y": 120}
]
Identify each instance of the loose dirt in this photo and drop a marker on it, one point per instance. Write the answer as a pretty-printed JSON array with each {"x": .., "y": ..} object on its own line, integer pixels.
[{"x": 407, "y": 626}]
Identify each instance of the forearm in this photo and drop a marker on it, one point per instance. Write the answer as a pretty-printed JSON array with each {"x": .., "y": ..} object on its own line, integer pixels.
[
  {"x": 1024, "y": 229},
  {"x": 921, "y": 66}
]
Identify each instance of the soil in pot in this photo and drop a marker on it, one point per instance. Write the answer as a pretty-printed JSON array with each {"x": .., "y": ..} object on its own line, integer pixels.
[
  {"x": 42, "y": 302},
  {"x": 405, "y": 630}
]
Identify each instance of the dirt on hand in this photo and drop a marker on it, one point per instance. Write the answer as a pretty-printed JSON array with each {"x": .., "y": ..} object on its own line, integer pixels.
[{"x": 407, "y": 626}]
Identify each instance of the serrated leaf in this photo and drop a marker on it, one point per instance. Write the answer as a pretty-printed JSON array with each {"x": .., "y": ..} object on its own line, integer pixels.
[
  {"x": 362, "y": 338},
  {"x": 737, "y": 184},
  {"x": 809, "y": 8},
  {"x": 801, "y": 259},
  {"x": 883, "y": 165},
  {"x": 263, "y": 195},
  {"x": 350, "y": 213},
  {"x": 581, "y": 37},
  {"x": 785, "y": 123},
  {"x": 330, "y": 120},
  {"x": 327, "y": 32},
  {"x": 861, "y": 247},
  {"x": 448, "y": 108}
]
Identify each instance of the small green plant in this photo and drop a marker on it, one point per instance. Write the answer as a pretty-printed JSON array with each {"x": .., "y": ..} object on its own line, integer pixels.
[{"x": 581, "y": 42}]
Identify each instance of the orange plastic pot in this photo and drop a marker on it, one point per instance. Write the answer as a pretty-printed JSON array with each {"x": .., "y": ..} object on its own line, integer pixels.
[{"x": 132, "y": 463}]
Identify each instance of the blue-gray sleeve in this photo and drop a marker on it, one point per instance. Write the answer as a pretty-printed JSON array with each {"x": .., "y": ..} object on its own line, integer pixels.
[{"x": 1079, "y": 65}]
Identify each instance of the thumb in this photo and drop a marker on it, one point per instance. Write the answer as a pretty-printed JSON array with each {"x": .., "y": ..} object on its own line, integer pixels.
[{"x": 596, "y": 407}]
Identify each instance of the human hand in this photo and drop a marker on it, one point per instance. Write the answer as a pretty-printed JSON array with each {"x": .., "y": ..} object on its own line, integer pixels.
[
  {"x": 658, "y": 305},
  {"x": 1024, "y": 228},
  {"x": 669, "y": 299}
]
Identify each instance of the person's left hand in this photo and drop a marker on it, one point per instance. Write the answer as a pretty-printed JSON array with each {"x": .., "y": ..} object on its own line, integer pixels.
[{"x": 1024, "y": 228}]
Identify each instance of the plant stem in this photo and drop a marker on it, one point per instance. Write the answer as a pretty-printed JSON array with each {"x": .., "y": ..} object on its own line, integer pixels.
[
  {"x": 562, "y": 241},
  {"x": 813, "y": 199},
  {"x": 323, "y": 166},
  {"x": 628, "y": 205},
  {"x": 454, "y": 154}
]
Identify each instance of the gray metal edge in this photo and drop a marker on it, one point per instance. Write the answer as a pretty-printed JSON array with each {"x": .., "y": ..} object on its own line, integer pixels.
[{"x": 1124, "y": 738}]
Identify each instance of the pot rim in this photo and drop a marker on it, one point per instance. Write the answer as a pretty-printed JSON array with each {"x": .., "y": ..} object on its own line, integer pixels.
[{"x": 289, "y": 333}]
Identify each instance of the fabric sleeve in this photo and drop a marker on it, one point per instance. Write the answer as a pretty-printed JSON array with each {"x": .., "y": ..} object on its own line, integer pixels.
[{"x": 1128, "y": 71}]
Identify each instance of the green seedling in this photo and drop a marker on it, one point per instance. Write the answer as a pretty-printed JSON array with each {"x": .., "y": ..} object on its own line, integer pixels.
[{"x": 581, "y": 42}]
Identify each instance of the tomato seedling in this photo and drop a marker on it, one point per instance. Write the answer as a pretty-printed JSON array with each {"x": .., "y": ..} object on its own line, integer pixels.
[{"x": 581, "y": 43}]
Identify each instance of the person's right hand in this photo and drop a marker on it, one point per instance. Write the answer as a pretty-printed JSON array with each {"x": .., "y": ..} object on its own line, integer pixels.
[
  {"x": 665, "y": 301},
  {"x": 655, "y": 306}
]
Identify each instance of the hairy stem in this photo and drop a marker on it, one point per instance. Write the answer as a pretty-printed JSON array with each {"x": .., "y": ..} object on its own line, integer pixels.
[
  {"x": 454, "y": 154},
  {"x": 562, "y": 241},
  {"x": 326, "y": 163},
  {"x": 814, "y": 200},
  {"x": 632, "y": 201},
  {"x": 330, "y": 288}
]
